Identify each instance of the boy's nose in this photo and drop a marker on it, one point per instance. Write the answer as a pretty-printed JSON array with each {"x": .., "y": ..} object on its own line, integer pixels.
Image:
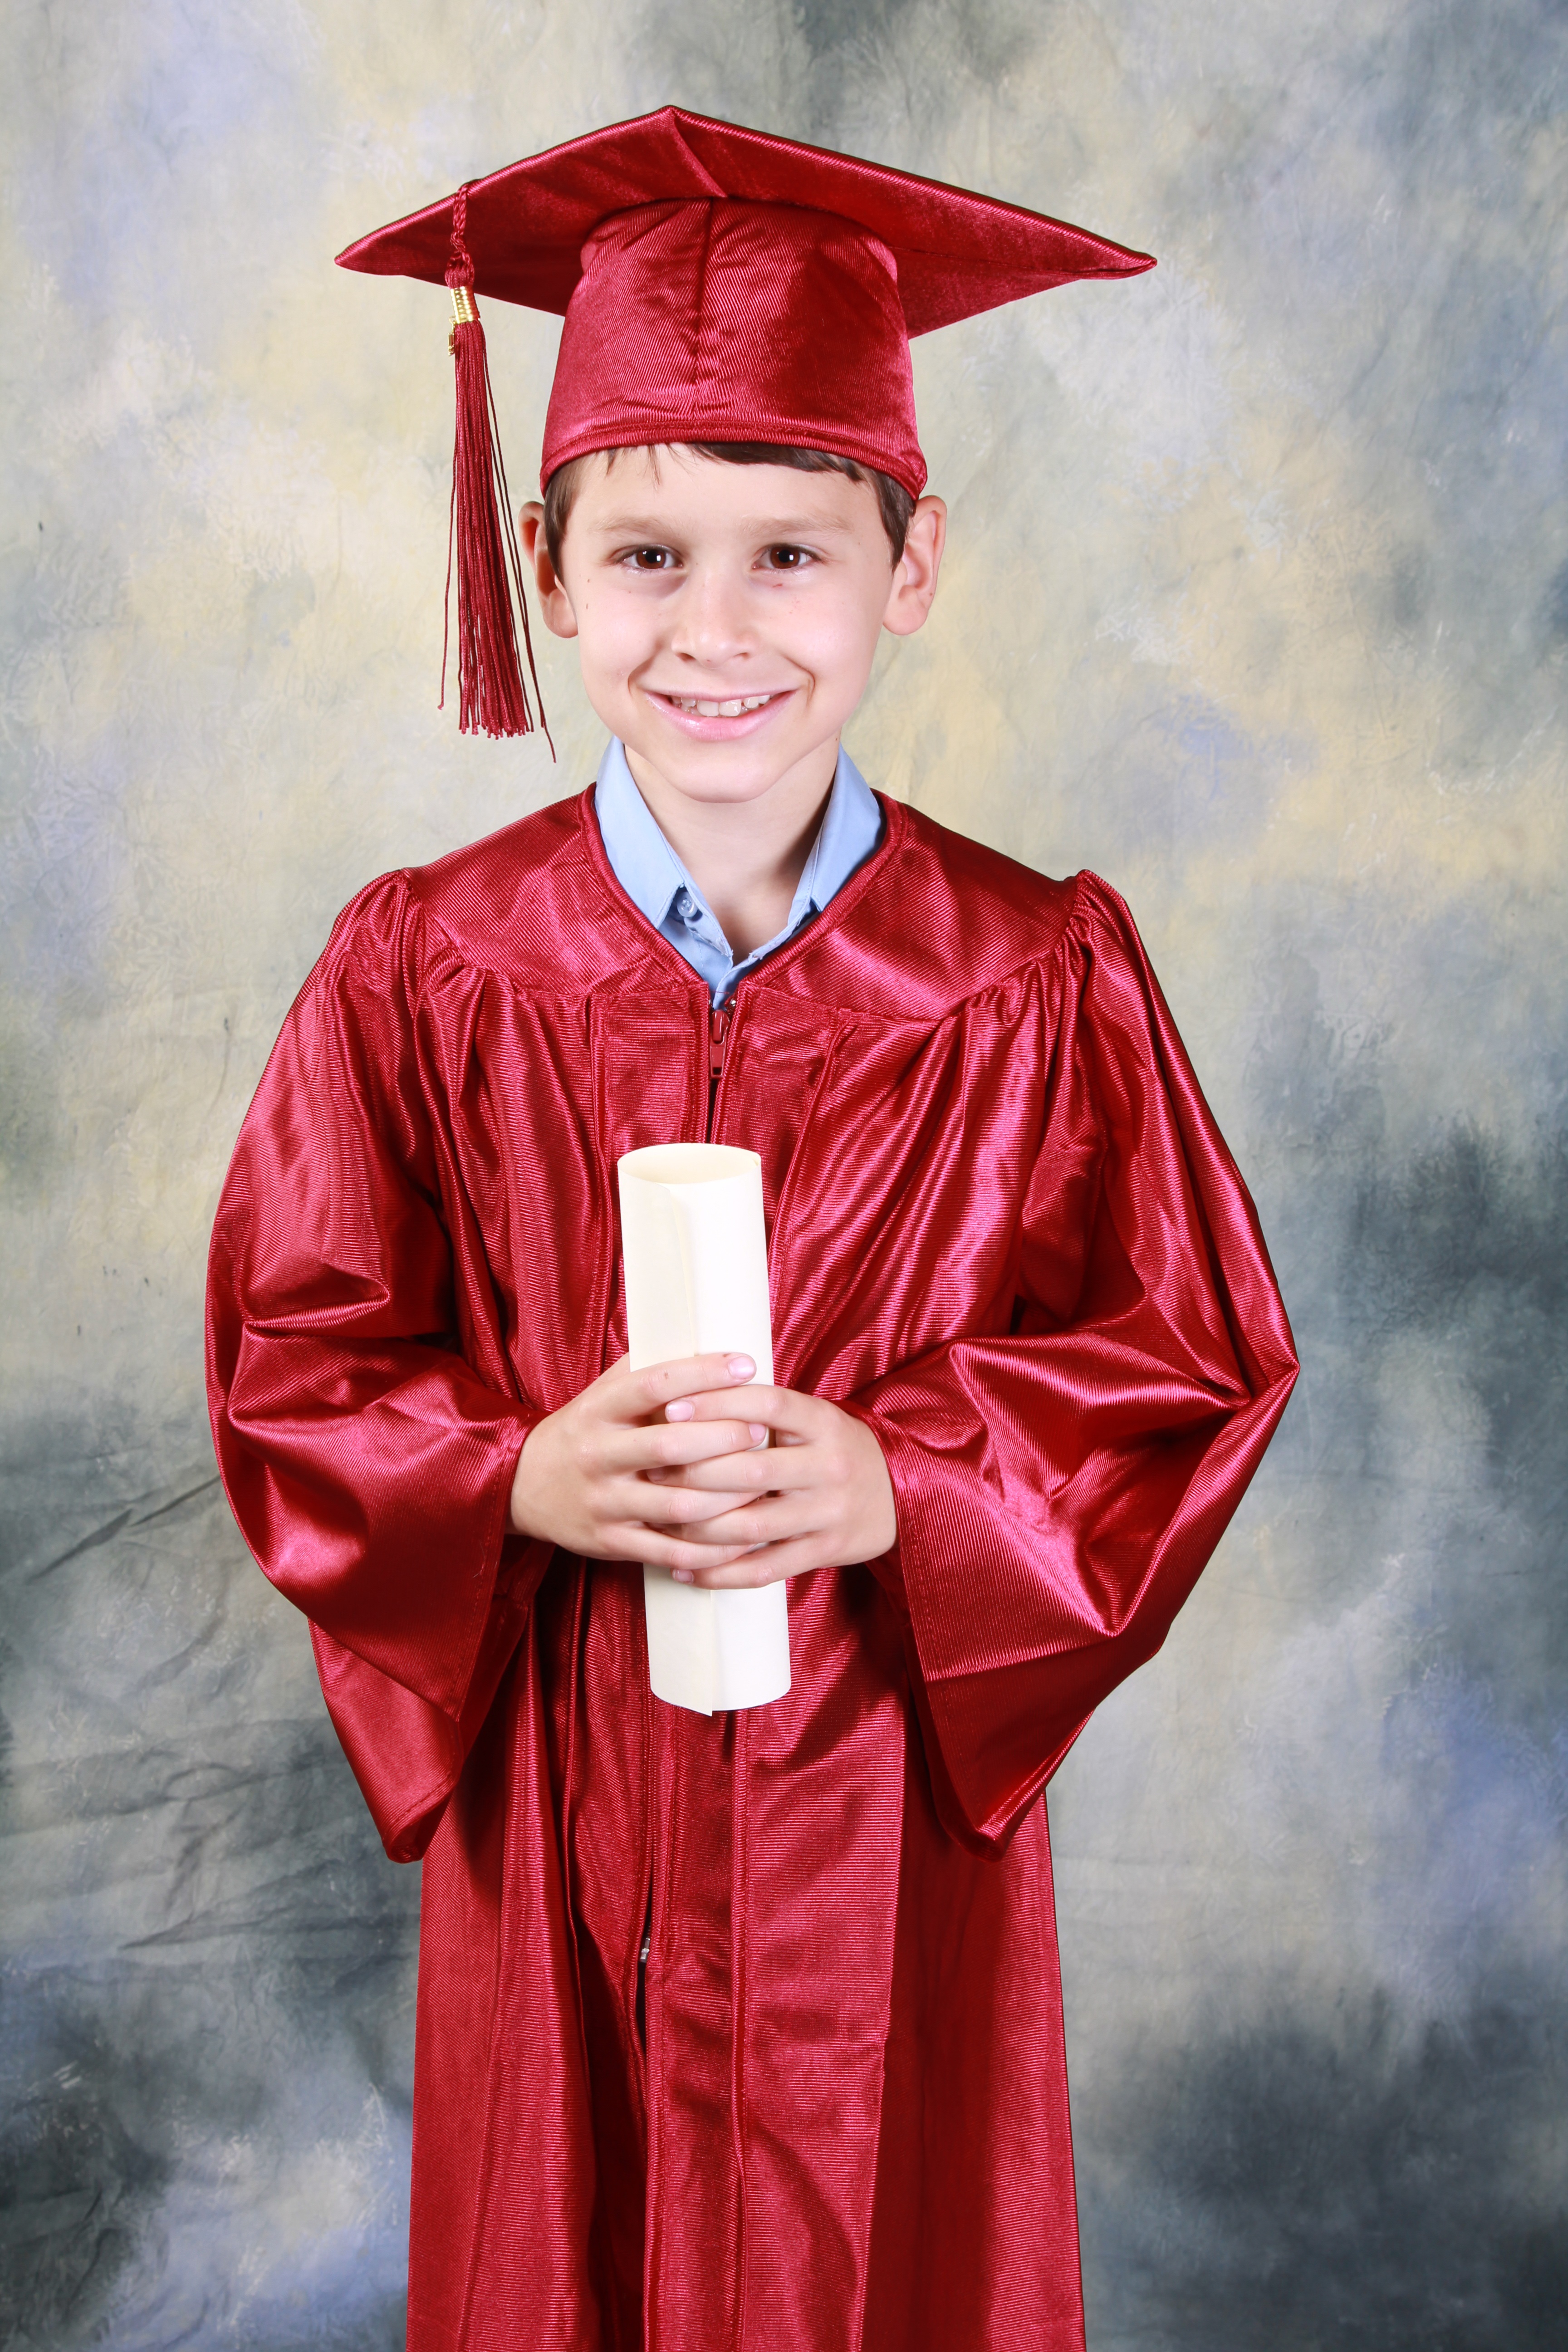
[{"x": 711, "y": 621}]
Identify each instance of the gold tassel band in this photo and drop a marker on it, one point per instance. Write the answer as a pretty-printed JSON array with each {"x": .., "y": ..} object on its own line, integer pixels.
[{"x": 463, "y": 315}]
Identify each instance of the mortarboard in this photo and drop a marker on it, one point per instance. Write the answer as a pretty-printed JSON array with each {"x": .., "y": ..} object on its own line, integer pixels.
[{"x": 717, "y": 284}]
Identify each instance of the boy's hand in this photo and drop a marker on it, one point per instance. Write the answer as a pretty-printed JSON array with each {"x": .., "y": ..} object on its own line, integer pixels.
[
  {"x": 820, "y": 1496},
  {"x": 583, "y": 1478}
]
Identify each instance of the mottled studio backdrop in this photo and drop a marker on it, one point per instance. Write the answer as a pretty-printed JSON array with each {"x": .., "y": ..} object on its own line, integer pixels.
[{"x": 1258, "y": 602}]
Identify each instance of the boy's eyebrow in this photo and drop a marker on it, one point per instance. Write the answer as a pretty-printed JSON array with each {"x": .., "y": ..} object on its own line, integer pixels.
[{"x": 658, "y": 527}]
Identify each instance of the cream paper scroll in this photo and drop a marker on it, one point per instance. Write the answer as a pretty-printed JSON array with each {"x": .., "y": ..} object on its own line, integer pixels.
[{"x": 696, "y": 1260}]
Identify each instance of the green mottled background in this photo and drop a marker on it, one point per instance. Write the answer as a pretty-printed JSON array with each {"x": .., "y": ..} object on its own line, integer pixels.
[{"x": 1258, "y": 602}]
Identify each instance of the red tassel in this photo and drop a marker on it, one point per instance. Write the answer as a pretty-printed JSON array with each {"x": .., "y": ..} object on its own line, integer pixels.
[{"x": 481, "y": 534}]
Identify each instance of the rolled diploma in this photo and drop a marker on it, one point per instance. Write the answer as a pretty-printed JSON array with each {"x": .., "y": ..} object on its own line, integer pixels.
[{"x": 696, "y": 1260}]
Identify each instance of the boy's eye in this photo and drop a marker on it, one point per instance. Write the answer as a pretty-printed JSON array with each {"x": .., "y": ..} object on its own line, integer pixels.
[
  {"x": 787, "y": 559},
  {"x": 651, "y": 558}
]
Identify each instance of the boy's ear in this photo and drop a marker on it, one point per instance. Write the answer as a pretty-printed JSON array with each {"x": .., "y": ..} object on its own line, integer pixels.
[
  {"x": 915, "y": 572},
  {"x": 553, "y": 601}
]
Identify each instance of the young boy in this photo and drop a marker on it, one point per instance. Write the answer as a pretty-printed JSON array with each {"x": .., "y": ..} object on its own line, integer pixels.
[{"x": 741, "y": 2030}]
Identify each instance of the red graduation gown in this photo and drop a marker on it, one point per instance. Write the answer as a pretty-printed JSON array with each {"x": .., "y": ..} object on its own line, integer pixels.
[{"x": 1005, "y": 1231}]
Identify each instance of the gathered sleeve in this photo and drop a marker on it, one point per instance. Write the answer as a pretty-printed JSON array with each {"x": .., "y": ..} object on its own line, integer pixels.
[
  {"x": 1060, "y": 1485},
  {"x": 367, "y": 1460}
]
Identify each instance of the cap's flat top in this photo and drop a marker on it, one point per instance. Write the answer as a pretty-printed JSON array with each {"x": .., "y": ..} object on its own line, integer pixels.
[{"x": 957, "y": 253}]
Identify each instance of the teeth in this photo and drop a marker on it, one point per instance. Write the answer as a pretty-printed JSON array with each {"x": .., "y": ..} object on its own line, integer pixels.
[{"x": 720, "y": 709}]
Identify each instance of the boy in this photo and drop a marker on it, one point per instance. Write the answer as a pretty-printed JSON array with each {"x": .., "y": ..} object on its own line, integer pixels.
[{"x": 741, "y": 2030}]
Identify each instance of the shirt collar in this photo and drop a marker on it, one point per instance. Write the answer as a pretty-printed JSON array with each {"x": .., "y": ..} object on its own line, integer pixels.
[{"x": 643, "y": 862}]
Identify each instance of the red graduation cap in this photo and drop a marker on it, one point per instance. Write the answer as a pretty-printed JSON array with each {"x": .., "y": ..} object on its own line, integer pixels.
[{"x": 717, "y": 284}]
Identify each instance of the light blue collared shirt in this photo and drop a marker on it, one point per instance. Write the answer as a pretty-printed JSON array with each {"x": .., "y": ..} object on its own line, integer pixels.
[{"x": 659, "y": 887}]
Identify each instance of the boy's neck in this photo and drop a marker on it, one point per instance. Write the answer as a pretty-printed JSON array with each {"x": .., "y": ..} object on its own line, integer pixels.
[{"x": 746, "y": 856}]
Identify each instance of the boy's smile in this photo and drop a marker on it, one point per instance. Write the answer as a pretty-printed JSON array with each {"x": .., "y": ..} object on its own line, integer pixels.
[{"x": 700, "y": 707}]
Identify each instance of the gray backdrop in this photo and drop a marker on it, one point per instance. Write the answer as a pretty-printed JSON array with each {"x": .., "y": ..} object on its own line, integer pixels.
[{"x": 1258, "y": 602}]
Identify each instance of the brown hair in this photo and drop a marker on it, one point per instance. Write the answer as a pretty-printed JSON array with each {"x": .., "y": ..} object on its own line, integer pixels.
[{"x": 894, "y": 503}]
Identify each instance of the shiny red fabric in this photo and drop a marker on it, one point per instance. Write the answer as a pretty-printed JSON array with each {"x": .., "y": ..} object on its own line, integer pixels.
[
  {"x": 1006, "y": 1233},
  {"x": 719, "y": 283},
  {"x": 736, "y": 322}
]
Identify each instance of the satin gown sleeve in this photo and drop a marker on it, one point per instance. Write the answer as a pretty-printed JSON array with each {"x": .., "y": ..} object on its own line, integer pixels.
[
  {"x": 368, "y": 1465},
  {"x": 1059, "y": 1486}
]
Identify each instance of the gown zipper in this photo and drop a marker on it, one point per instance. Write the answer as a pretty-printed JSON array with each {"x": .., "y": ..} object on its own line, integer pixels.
[
  {"x": 644, "y": 1941},
  {"x": 718, "y": 1019}
]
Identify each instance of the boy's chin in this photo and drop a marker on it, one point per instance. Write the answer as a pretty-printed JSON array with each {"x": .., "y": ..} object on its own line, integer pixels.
[{"x": 722, "y": 774}]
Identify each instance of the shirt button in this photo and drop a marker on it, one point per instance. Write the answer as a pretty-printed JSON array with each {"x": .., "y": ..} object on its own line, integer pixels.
[{"x": 685, "y": 903}]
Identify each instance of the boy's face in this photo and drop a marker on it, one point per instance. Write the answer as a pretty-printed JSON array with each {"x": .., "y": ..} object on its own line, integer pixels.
[{"x": 727, "y": 615}]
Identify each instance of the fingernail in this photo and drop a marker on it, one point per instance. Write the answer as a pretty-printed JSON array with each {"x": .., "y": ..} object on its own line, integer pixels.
[
  {"x": 741, "y": 1368},
  {"x": 758, "y": 1430},
  {"x": 682, "y": 1576},
  {"x": 681, "y": 1410}
]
